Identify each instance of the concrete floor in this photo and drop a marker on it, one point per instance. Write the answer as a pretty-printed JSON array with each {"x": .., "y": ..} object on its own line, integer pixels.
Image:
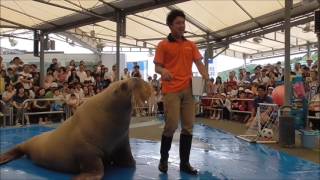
[{"x": 153, "y": 130}]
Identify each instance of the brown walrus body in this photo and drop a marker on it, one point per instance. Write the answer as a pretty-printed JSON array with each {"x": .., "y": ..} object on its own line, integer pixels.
[{"x": 96, "y": 135}]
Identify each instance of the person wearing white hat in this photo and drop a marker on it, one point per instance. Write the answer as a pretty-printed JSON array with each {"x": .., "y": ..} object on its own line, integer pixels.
[
  {"x": 270, "y": 90},
  {"x": 309, "y": 63}
]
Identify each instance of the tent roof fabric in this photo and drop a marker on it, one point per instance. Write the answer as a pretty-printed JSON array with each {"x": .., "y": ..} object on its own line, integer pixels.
[{"x": 218, "y": 20}]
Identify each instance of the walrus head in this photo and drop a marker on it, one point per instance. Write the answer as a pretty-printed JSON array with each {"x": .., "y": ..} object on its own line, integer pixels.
[
  {"x": 141, "y": 90},
  {"x": 136, "y": 89}
]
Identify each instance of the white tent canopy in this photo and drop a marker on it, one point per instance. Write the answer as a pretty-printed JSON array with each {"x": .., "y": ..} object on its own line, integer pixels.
[{"x": 250, "y": 29}]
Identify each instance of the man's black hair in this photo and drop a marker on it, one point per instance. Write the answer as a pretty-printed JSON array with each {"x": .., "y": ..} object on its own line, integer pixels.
[
  {"x": 173, "y": 14},
  {"x": 263, "y": 87}
]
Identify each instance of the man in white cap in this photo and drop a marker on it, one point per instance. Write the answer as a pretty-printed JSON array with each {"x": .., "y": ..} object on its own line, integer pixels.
[
  {"x": 309, "y": 63},
  {"x": 270, "y": 90}
]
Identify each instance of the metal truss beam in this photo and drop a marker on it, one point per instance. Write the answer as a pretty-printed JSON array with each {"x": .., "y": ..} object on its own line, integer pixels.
[
  {"x": 76, "y": 20},
  {"x": 280, "y": 52},
  {"x": 11, "y": 27},
  {"x": 272, "y": 39},
  {"x": 252, "y": 49},
  {"x": 126, "y": 35},
  {"x": 112, "y": 41},
  {"x": 247, "y": 13},
  {"x": 152, "y": 20},
  {"x": 14, "y": 36},
  {"x": 233, "y": 53},
  {"x": 258, "y": 32},
  {"x": 282, "y": 42},
  {"x": 77, "y": 35},
  {"x": 258, "y": 44},
  {"x": 161, "y": 38},
  {"x": 161, "y": 23},
  {"x": 220, "y": 52},
  {"x": 85, "y": 10},
  {"x": 277, "y": 56},
  {"x": 227, "y": 52},
  {"x": 294, "y": 36},
  {"x": 147, "y": 26}
]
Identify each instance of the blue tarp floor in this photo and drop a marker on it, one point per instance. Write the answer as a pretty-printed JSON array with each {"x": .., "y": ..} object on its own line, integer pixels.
[{"x": 218, "y": 155}]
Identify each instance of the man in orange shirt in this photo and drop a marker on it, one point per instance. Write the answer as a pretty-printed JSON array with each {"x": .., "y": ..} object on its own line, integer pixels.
[{"x": 173, "y": 60}]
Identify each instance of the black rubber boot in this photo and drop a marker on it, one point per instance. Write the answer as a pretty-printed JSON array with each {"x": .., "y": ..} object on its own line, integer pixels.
[
  {"x": 164, "y": 151},
  {"x": 185, "y": 147}
]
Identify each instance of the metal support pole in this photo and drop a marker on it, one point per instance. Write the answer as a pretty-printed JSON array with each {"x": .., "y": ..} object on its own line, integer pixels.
[
  {"x": 308, "y": 50},
  {"x": 318, "y": 35},
  {"x": 99, "y": 55},
  {"x": 208, "y": 52},
  {"x": 244, "y": 61},
  {"x": 42, "y": 70},
  {"x": 118, "y": 46},
  {"x": 287, "y": 68}
]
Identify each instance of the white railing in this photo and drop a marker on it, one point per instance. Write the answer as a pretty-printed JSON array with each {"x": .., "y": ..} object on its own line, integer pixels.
[
  {"x": 26, "y": 113},
  {"x": 232, "y": 111},
  {"x": 146, "y": 108},
  {"x": 209, "y": 105}
]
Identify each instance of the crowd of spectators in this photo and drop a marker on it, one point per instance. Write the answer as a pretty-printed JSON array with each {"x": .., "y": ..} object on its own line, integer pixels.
[
  {"x": 242, "y": 91},
  {"x": 72, "y": 84}
]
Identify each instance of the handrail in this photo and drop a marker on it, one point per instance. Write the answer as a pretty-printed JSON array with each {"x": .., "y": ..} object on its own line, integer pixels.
[
  {"x": 239, "y": 111},
  {"x": 211, "y": 107},
  {"x": 44, "y": 99},
  {"x": 241, "y": 99},
  {"x": 10, "y": 113},
  {"x": 211, "y": 98},
  {"x": 268, "y": 104},
  {"x": 45, "y": 112}
]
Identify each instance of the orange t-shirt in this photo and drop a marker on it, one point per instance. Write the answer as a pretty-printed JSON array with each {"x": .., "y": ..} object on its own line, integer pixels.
[{"x": 177, "y": 57}]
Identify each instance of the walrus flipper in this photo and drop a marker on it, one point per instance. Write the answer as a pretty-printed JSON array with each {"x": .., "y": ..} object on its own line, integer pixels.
[
  {"x": 91, "y": 168},
  {"x": 12, "y": 154}
]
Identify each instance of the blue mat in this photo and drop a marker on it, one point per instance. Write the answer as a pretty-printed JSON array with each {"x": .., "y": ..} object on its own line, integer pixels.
[{"x": 217, "y": 154}]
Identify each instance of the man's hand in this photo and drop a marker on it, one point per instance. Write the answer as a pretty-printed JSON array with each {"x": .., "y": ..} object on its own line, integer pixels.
[
  {"x": 202, "y": 69},
  {"x": 166, "y": 75}
]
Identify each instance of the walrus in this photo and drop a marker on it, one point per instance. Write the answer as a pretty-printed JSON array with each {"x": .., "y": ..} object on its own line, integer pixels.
[{"x": 96, "y": 136}]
